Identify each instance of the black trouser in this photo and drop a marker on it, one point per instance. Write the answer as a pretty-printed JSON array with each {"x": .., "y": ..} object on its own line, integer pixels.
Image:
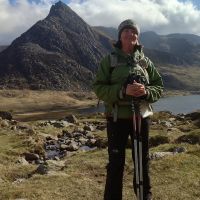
[{"x": 118, "y": 133}]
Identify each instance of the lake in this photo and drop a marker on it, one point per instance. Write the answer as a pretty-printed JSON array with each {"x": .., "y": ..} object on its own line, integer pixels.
[{"x": 174, "y": 104}]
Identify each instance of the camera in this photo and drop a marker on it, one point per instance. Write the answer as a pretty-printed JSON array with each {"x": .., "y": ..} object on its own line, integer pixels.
[{"x": 135, "y": 77}]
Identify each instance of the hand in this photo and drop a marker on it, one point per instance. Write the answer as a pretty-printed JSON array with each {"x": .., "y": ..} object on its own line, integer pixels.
[{"x": 135, "y": 89}]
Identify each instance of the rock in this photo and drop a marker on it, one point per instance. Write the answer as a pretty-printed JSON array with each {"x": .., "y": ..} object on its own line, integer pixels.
[
  {"x": 172, "y": 119},
  {"x": 157, "y": 140},
  {"x": 89, "y": 128},
  {"x": 158, "y": 155},
  {"x": 25, "y": 127},
  {"x": 102, "y": 143},
  {"x": 78, "y": 129},
  {"x": 42, "y": 169},
  {"x": 4, "y": 123},
  {"x": 185, "y": 129},
  {"x": 63, "y": 146},
  {"x": 19, "y": 180},
  {"x": 13, "y": 122},
  {"x": 191, "y": 139},
  {"x": 55, "y": 165},
  {"x": 89, "y": 135},
  {"x": 194, "y": 115},
  {"x": 179, "y": 150},
  {"x": 22, "y": 161},
  {"x": 51, "y": 142},
  {"x": 197, "y": 122},
  {"x": 44, "y": 124},
  {"x": 58, "y": 124},
  {"x": 83, "y": 140},
  {"x": 67, "y": 134},
  {"x": 31, "y": 131},
  {"x": 71, "y": 119},
  {"x": 72, "y": 146},
  {"x": 14, "y": 128},
  {"x": 20, "y": 199},
  {"x": 77, "y": 134},
  {"x": 91, "y": 142},
  {"x": 31, "y": 156},
  {"x": 166, "y": 124},
  {"x": 38, "y": 162},
  {"x": 5, "y": 115},
  {"x": 51, "y": 137},
  {"x": 173, "y": 130},
  {"x": 154, "y": 123},
  {"x": 50, "y": 147},
  {"x": 180, "y": 117}
]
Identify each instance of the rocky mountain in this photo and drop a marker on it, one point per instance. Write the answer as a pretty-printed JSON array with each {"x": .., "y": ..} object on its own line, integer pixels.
[
  {"x": 2, "y": 47},
  {"x": 63, "y": 52},
  {"x": 185, "y": 47},
  {"x": 60, "y": 52}
]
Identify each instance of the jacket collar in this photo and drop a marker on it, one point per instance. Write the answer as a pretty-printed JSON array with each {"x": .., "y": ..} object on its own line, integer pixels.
[{"x": 136, "y": 55}]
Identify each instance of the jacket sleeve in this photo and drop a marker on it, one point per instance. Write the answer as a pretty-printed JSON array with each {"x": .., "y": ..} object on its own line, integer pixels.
[
  {"x": 155, "y": 87},
  {"x": 102, "y": 86}
]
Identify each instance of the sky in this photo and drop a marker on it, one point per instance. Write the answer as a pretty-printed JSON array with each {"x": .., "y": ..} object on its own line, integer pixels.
[{"x": 161, "y": 16}]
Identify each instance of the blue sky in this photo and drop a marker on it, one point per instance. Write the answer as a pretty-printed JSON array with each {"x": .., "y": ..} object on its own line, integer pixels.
[{"x": 161, "y": 16}]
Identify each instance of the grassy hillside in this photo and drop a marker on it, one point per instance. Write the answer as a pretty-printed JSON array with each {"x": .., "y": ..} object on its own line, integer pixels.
[{"x": 82, "y": 176}]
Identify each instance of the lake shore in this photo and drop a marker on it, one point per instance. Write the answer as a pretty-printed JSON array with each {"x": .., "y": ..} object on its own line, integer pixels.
[{"x": 30, "y": 105}]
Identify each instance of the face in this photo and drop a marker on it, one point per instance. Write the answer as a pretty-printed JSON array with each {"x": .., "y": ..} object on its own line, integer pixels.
[{"x": 129, "y": 37}]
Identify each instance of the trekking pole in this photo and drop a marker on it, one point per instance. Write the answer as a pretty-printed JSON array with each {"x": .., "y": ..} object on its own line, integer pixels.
[{"x": 137, "y": 149}]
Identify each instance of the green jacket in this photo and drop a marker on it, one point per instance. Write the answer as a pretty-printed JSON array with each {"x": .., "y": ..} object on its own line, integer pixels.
[{"x": 110, "y": 80}]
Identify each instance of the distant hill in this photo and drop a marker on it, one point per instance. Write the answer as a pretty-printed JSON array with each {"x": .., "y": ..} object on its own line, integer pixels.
[
  {"x": 185, "y": 47},
  {"x": 109, "y": 31},
  {"x": 181, "y": 48},
  {"x": 176, "y": 55},
  {"x": 60, "y": 52}
]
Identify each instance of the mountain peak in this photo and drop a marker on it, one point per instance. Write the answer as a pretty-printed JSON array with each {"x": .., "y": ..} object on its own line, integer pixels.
[
  {"x": 60, "y": 4},
  {"x": 59, "y": 9}
]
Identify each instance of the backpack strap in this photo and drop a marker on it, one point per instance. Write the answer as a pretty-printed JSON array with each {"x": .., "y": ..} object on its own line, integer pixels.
[{"x": 114, "y": 62}]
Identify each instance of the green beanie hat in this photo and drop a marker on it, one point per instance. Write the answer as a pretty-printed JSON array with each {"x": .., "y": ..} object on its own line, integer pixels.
[{"x": 128, "y": 23}]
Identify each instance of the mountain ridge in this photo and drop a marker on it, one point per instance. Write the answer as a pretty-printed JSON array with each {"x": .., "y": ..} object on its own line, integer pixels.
[
  {"x": 59, "y": 52},
  {"x": 62, "y": 52}
]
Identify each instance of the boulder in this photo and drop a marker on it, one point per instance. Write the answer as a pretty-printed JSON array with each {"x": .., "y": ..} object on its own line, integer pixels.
[
  {"x": 157, "y": 140},
  {"x": 194, "y": 115},
  {"x": 5, "y": 115},
  {"x": 190, "y": 138},
  {"x": 42, "y": 169},
  {"x": 31, "y": 157},
  {"x": 4, "y": 123}
]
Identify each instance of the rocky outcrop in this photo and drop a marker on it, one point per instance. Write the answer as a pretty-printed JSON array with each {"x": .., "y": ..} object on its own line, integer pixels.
[
  {"x": 76, "y": 135},
  {"x": 5, "y": 115}
]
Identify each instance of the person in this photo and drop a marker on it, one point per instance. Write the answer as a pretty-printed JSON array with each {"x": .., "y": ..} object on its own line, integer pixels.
[{"x": 126, "y": 76}]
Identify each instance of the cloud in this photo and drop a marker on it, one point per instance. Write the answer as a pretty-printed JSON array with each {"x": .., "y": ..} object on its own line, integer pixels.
[
  {"x": 161, "y": 16},
  {"x": 16, "y": 18}
]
